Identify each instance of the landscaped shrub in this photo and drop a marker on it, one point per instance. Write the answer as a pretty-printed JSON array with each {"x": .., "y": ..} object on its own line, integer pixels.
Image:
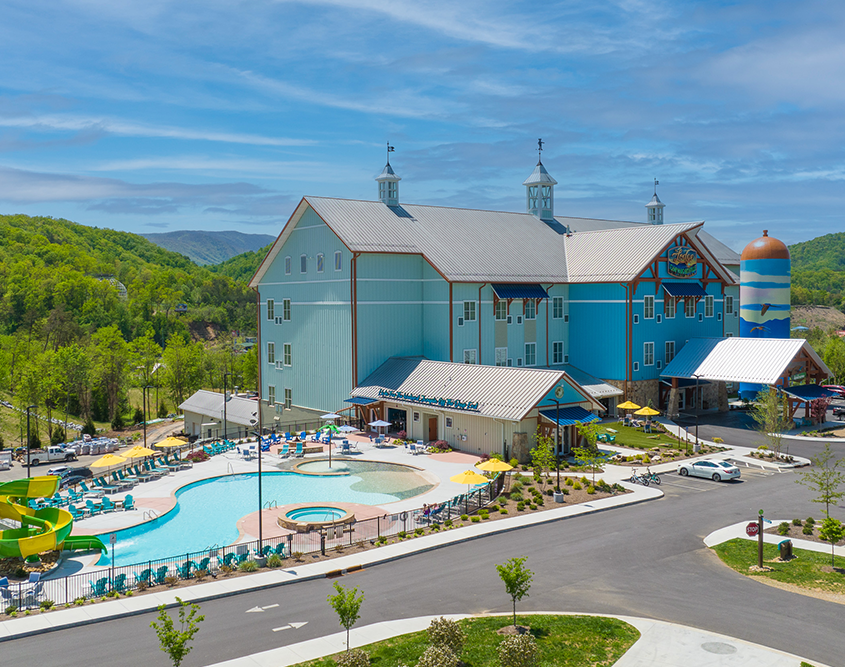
[
  {"x": 718, "y": 441},
  {"x": 476, "y": 519},
  {"x": 274, "y": 560},
  {"x": 297, "y": 555},
  {"x": 810, "y": 520},
  {"x": 448, "y": 634},
  {"x": 576, "y": 486},
  {"x": 382, "y": 539},
  {"x": 502, "y": 510},
  {"x": 46, "y": 605},
  {"x": 199, "y": 575},
  {"x": 170, "y": 582},
  {"x": 437, "y": 656},
  {"x": 448, "y": 523},
  {"x": 520, "y": 506},
  {"x": 435, "y": 527},
  {"x": 418, "y": 531},
  {"x": 591, "y": 490},
  {"x": 248, "y": 566},
  {"x": 402, "y": 534},
  {"x": 516, "y": 487},
  {"x": 569, "y": 481},
  {"x": 513, "y": 463},
  {"x": 797, "y": 522},
  {"x": 533, "y": 506},
  {"x": 464, "y": 517},
  {"x": 518, "y": 651},
  {"x": 354, "y": 658},
  {"x": 808, "y": 529},
  {"x": 584, "y": 480},
  {"x": 484, "y": 514},
  {"x": 783, "y": 528}
]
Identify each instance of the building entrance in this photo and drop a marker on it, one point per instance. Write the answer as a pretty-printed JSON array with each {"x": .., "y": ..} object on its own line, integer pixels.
[
  {"x": 432, "y": 428},
  {"x": 398, "y": 419}
]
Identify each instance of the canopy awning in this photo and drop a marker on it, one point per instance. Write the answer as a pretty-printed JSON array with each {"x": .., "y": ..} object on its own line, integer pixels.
[
  {"x": 684, "y": 289},
  {"x": 520, "y": 291},
  {"x": 569, "y": 415},
  {"x": 360, "y": 400},
  {"x": 809, "y": 392}
]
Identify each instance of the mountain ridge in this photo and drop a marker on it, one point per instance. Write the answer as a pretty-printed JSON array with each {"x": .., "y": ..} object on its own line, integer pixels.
[{"x": 209, "y": 248}]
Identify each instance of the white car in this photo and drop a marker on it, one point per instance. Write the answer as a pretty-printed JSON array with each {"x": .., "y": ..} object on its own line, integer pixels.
[{"x": 715, "y": 470}]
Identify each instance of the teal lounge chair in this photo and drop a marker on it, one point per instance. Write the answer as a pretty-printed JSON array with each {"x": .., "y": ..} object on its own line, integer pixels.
[
  {"x": 161, "y": 574},
  {"x": 184, "y": 570},
  {"x": 77, "y": 515},
  {"x": 284, "y": 451},
  {"x": 299, "y": 453},
  {"x": 108, "y": 505},
  {"x": 265, "y": 551},
  {"x": 203, "y": 564},
  {"x": 145, "y": 576},
  {"x": 120, "y": 584},
  {"x": 227, "y": 560},
  {"x": 100, "y": 587},
  {"x": 128, "y": 503},
  {"x": 93, "y": 508},
  {"x": 280, "y": 549}
]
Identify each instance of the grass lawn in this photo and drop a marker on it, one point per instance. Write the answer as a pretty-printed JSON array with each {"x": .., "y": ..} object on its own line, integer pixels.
[
  {"x": 628, "y": 436},
  {"x": 810, "y": 569},
  {"x": 574, "y": 641}
]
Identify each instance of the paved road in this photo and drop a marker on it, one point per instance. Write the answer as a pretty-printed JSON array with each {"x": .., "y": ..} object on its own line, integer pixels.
[{"x": 646, "y": 560}]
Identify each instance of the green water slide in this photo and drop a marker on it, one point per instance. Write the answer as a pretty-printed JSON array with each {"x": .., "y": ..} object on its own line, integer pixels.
[{"x": 41, "y": 530}]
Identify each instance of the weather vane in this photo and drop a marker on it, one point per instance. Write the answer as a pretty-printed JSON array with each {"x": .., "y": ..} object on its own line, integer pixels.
[
  {"x": 656, "y": 183},
  {"x": 390, "y": 149},
  {"x": 540, "y": 143}
]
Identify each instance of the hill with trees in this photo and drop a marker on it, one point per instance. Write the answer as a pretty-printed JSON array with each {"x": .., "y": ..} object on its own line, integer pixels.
[
  {"x": 818, "y": 271},
  {"x": 821, "y": 253},
  {"x": 242, "y": 267},
  {"x": 209, "y": 247}
]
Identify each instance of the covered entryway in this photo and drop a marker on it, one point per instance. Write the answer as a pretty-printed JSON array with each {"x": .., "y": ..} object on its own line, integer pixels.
[{"x": 432, "y": 428}]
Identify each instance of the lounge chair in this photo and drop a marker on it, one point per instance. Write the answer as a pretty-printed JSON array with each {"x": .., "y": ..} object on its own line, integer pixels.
[
  {"x": 76, "y": 513},
  {"x": 90, "y": 492},
  {"x": 108, "y": 505},
  {"x": 93, "y": 508},
  {"x": 140, "y": 475},
  {"x": 264, "y": 552},
  {"x": 284, "y": 452},
  {"x": 280, "y": 549},
  {"x": 145, "y": 576},
  {"x": 299, "y": 451},
  {"x": 287, "y": 437},
  {"x": 99, "y": 588},
  {"x": 184, "y": 570},
  {"x": 227, "y": 560},
  {"x": 203, "y": 564},
  {"x": 161, "y": 574},
  {"x": 413, "y": 448},
  {"x": 302, "y": 436},
  {"x": 128, "y": 503}
]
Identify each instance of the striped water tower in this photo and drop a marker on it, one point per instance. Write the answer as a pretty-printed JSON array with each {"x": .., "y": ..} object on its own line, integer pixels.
[{"x": 764, "y": 274}]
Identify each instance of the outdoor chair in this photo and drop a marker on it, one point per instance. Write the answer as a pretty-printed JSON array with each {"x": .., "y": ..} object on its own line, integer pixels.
[
  {"x": 93, "y": 508},
  {"x": 263, "y": 552},
  {"x": 284, "y": 452},
  {"x": 299, "y": 451},
  {"x": 227, "y": 560},
  {"x": 76, "y": 513},
  {"x": 184, "y": 570},
  {"x": 120, "y": 583},
  {"x": 99, "y": 588},
  {"x": 145, "y": 576},
  {"x": 302, "y": 436},
  {"x": 90, "y": 492},
  {"x": 161, "y": 574},
  {"x": 108, "y": 505},
  {"x": 287, "y": 437},
  {"x": 203, "y": 564},
  {"x": 280, "y": 549},
  {"x": 413, "y": 448},
  {"x": 128, "y": 503}
]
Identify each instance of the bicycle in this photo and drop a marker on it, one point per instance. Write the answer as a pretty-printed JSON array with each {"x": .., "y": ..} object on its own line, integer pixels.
[
  {"x": 638, "y": 479},
  {"x": 652, "y": 476}
]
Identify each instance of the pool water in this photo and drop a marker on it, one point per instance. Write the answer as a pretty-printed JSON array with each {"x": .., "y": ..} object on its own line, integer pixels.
[
  {"x": 207, "y": 512},
  {"x": 324, "y": 514}
]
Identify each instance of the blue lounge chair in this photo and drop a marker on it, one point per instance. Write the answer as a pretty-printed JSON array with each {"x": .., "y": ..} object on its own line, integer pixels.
[
  {"x": 280, "y": 549},
  {"x": 299, "y": 452},
  {"x": 145, "y": 576},
  {"x": 93, "y": 508},
  {"x": 77, "y": 514},
  {"x": 287, "y": 436},
  {"x": 303, "y": 435},
  {"x": 100, "y": 587},
  {"x": 108, "y": 505},
  {"x": 413, "y": 449},
  {"x": 161, "y": 574},
  {"x": 285, "y": 451}
]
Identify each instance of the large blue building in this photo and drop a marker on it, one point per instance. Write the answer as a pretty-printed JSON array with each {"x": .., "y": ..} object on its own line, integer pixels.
[{"x": 350, "y": 286}]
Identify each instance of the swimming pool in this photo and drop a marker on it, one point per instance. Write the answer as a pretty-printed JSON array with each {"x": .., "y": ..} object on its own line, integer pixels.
[{"x": 207, "y": 511}]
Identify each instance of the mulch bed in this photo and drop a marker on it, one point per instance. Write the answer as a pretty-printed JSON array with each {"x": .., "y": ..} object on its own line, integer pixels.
[{"x": 796, "y": 533}]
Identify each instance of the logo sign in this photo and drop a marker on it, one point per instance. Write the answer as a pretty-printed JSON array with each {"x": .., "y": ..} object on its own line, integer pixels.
[
  {"x": 752, "y": 529},
  {"x": 682, "y": 262},
  {"x": 429, "y": 400}
]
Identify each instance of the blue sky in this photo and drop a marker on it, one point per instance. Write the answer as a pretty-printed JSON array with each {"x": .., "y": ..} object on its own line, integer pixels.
[{"x": 157, "y": 115}]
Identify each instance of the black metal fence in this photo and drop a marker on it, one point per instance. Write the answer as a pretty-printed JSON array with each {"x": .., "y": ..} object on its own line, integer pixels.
[{"x": 216, "y": 560}]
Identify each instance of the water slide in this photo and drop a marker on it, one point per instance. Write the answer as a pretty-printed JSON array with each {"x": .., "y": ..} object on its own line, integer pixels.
[{"x": 42, "y": 529}]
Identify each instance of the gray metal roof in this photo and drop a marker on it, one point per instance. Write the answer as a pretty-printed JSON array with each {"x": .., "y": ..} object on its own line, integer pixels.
[
  {"x": 468, "y": 245},
  {"x": 540, "y": 176},
  {"x": 239, "y": 410},
  {"x": 387, "y": 174},
  {"x": 655, "y": 202},
  {"x": 501, "y": 392},
  {"x": 755, "y": 360}
]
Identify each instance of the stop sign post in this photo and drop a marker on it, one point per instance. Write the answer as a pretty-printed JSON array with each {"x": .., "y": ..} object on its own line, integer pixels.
[{"x": 759, "y": 533}]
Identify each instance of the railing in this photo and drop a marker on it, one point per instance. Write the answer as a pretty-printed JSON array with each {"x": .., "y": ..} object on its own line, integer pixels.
[{"x": 123, "y": 578}]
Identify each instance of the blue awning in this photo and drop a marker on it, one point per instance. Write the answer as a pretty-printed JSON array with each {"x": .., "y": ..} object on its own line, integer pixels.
[
  {"x": 360, "y": 400},
  {"x": 569, "y": 415},
  {"x": 519, "y": 291},
  {"x": 809, "y": 392},
  {"x": 684, "y": 289}
]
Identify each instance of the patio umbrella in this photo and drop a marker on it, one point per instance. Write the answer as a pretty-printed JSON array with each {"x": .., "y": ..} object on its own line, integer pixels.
[
  {"x": 347, "y": 429},
  {"x": 628, "y": 405},
  {"x": 647, "y": 412},
  {"x": 331, "y": 415},
  {"x": 138, "y": 452},
  {"x": 170, "y": 442},
  {"x": 379, "y": 423},
  {"x": 108, "y": 461},
  {"x": 494, "y": 465},
  {"x": 469, "y": 477}
]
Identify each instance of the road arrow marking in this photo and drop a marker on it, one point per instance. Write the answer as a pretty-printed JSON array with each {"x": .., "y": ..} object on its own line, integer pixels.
[
  {"x": 284, "y": 627},
  {"x": 270, "y": 606},
  {"x": 298, "y": 625},
  {"x": 255, "y": 609}
]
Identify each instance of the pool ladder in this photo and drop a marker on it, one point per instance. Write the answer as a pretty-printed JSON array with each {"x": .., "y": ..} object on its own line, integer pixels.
[
  {"x": 149, "y": 514},
  {"x": 270, "y": 504},
  {"x": 230, "y": 469}
]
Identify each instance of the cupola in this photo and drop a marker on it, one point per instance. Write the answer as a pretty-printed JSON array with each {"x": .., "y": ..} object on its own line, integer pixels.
[
  {"x": 655, "y": 207},
  {"x": 388, "y": 183},
  {"x": 540, "y": 190}
]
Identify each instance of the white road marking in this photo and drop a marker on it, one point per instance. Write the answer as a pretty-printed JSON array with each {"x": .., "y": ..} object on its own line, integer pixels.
[
  {"x": 270, "y": 606},
  {"x": 299, "y": 625},
  {"x": 254, "y": 610},
  {"x": 284, "y": 627}
]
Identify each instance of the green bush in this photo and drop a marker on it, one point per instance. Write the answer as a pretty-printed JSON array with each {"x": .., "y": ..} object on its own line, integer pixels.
[
  {"x": 464, "y": 517},
  {"x": 402, "y": 534},
  {"x": 448, "y": 634},
  {"x": 435, "y": 527},
  {"x": 520, "y": 506},
  {"x": 591, "y": 490},
  {"x": 783, "y": 528},
  {"x": 353, "y": 658},
  {"x": 438, "y": 656},
  {"x": 448, "y": 523},
  {"x": 808, "y": 529},
  {"x": 569, "y": 481},
  {"x": 516, "y": 486},
  {"x": 502, "y": 510},
  {"x": 533, "y": 506},
  {"x": 518, "y": 651},
  {"x": 584, "y": 481},
  {"x": 513, "y": 463},
  {"x": 274, "y": 560},
  {"x": 46, "y": 605},
  {"x": 382, "y": 539},
  {"x": 248, "y": 566},
  {"x": 810, "y": 520},
  {"x": 797, "y": 522},
  {"x": 576, "y": 486},
  {"x": 418, "y": 531},
  {"x": 484, "y": 514},
  {"x": 11, "y": 609}
]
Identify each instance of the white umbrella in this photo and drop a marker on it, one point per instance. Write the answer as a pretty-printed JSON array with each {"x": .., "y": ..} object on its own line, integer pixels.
[
  {"x": 331, "y": 415},
  {"x": 380, "y": 422},
  {"x": 347, "y": 429}
]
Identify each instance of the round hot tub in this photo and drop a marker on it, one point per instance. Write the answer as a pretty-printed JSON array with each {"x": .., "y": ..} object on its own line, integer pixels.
[{"x": 314, "y": 517}]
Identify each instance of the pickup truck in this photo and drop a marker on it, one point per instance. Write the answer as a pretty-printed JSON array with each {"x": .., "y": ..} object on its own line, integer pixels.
[{"x": 49, "y": 455}]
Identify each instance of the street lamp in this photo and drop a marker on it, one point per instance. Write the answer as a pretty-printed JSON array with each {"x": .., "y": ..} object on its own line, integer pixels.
[
  {"x": 225, "y": 401},
  {"x": 28, "y": 408},
  {"x": 697, "y": 407},
  {"x": 149, "y": 386},
  {"x": 557, "y": 442}
]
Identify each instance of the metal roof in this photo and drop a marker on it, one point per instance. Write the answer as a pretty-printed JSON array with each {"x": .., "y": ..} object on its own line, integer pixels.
[
  {"x": 520, "y": 291},
  {"x": 569, "y": 416},
  {"x": 501, "y": 392},
  {"x": 754, "y": 360},
  {"x": 655, "y": 202},
  {"x": 592, "y": 385},
  {"x": 684, "y": 289},
  {"x": 243, "y": 411},
  {"x": 540, "y": 176}
]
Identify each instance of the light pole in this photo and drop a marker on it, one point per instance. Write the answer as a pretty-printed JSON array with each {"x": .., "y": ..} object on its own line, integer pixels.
[
  {"x": 28, "y": 408},
  {"x": 697, "y": 408},
  {"x": 557, "y": 441},
  {"x": 145, "y": 412},
  {"x": 225, "y": 401}
]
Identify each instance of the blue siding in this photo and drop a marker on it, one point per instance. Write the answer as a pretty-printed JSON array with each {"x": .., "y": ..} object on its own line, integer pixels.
[{"x": 597, "y": 329}]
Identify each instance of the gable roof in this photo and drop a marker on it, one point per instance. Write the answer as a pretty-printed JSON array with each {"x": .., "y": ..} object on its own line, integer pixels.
[
  {"x": 239, "y": 410},
  {"x": 469, "y": 245}
]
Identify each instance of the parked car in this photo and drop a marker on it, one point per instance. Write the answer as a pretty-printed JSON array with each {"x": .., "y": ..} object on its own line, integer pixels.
[
  {"x": 75, "y": 476},
  {"x": 61, "y": 471},
  {"x": 715, "y": 470},
  {"x": 839, "y": 412}
]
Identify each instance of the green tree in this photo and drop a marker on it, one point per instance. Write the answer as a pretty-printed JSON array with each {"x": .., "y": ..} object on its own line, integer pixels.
[
  {"x": 590, "y": 432},
  {"x": 767, "y": 412},
  {"x": 73, "y": 365},
  {"x": 347, "y": 605},
  {"x": 832, "y": 531},
  {"x": 175, "y": 641},
  {"x": 826, "y": 478},
  {"x": 183, "y": 367},
  {"x": 591, "y": 458},
  {"x": 145, "y": 357},
  {"x": 111, "y": 363},
  {"x": 834, "y": 357},
  {"x": 543, "y": 455},
  {"x": 517, "y": 579}
]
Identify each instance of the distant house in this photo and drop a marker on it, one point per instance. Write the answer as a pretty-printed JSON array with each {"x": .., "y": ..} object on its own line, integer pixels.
[{"x": 181, "y": 308}]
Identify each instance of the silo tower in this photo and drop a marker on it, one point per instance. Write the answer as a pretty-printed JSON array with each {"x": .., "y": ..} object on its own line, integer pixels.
[{"x": 764, "y": 269}]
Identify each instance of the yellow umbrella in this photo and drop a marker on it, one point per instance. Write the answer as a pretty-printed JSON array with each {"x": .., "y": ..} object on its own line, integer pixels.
[
  {"x": 108, "y": 461},
  {"x": 137, "y": 452},
  {"x": 494, "y": 465},
  {"x": 170, "y": 442},
  {"x": 468, "y": 477},
  {"x": 628, "y": 405},
  {"x": 647, "y": 412}
]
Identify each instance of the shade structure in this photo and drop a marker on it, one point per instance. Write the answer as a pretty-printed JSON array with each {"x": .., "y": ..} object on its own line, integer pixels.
[
  {"x": 138, "y": 452},
  {"x": 494, "y": 465},
  {"x": 468, "y": 477},
  {"x": 170, "y": 442},
  {"x": 108, "y": 461},
  {"x": 346, "y": 428},
  {"x": 379, "y": 423},
  {"x": 647, "y": 412},
  {"x": 628, "y": 405},
  {"x": 331, "y": 415}
]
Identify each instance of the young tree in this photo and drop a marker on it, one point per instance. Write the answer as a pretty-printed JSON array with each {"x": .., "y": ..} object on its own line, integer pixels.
[
  {"x": 111, "y": 362},
  {"x": 590, "y": 458},
  {"x": 174, "y": 641},
  {"x": 517, "y": 579},
  {"x": 183, "y": 367},
  {"x": 543, "y": 455},
  {"x": 767, "y": 412},
  {"x": 590, "y": 432},
  {"x": 818, "y": 409},
  {"x": 832, "y": 531},
  {"x": 826, "y": 478},
  {"x": 347, "y": 604}
]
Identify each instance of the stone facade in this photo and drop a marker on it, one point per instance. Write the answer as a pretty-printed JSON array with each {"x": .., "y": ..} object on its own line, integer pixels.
[{"x": 520, "y": 447}]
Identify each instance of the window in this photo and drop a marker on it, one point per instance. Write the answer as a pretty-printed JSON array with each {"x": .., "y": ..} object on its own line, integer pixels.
[
  {"x": 501, "y": 310},
  {"x": 532, "y": 197},
  {"x": 648, "y": 354},
  {"x": 501, "y": 356},
  {"x": 670, "y": 304},
  {"x": 531, "y": 354},
  {"x": 728, "y": 334},
  {"x": 303, "y": 264},
  {"x": 286, "y": 310},
  {"x": 557, "y": 307},
  {"x": 338, "y": 261},
  {"x": 416, "y": 416},
  {"x": 557, "y": 352},
  {"x": 546, "y": 191},
  {"x": 469, "y": 311},
  {"x": 288, "y": 399},
  {"x": 470, "y": 357},
  {"x": 287, "y": 354},
  {"x": 648, "y": 307},
  {"x": 689, "y": 307},
  {"x": 708, "y": 306},
  {"x": 670, "y": 350},
  {"x": 530, "y": 309},
  {"x": 271, "y": 353},
  {"x": 287, "y": 266},
  {"x": 271, "y": 309},
  {"x": 321, "y": 262},
  {"x": 729, "y": 304},
  {"x": 271, "y": 395}
]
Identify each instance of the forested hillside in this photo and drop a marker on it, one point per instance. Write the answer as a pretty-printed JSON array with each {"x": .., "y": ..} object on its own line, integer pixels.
[
  {"x": 88, "y": 313},
  {"x": 818, "y": 271},
  {"x": 823, "y": 252},
  {"x": 242, "y": 267},
  {"x": 209, "y": 247}
]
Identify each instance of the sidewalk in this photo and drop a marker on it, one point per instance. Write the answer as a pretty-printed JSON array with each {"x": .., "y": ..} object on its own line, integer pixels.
[
  {"x": 738, "y": 530},
  {"x": 660, "y": 644}
]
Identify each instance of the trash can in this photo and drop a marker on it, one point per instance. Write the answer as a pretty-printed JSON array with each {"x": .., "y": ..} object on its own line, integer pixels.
[{"x": 785, "y": 549}]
